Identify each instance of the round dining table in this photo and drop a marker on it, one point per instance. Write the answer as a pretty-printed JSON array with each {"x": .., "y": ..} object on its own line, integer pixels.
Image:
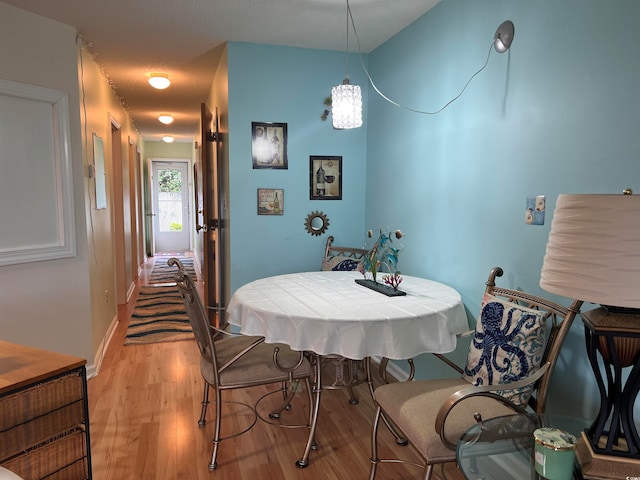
[{"x": 328, "y": 313}]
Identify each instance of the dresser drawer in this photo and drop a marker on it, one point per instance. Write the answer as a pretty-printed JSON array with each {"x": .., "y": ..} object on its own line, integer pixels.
[
  {"x": 61, "y": 458},
  {"x": 38, "y": 400},
  {"x": 27, "y": 435}
]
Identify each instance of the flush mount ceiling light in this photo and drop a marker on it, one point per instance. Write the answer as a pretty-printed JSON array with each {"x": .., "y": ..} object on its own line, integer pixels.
[
  {"x": 166, "y": 119},
  {"x": 346, "y": 99},
  {"x": 168, "y": 139},
  {"x": 159, "y": 80}
]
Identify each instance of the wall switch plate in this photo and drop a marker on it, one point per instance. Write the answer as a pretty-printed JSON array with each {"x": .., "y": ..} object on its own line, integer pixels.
[{"x": 534, "y": 214}]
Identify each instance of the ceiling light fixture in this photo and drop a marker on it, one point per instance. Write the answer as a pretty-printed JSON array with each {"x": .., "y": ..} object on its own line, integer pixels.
[
  {"x": 168, "y": 139},
  {"x": 159, "y": 80},
  {"x": 346, "y": 99},
  {"x": 166, "y": 119},
  {"x": 501, "y": 42}
]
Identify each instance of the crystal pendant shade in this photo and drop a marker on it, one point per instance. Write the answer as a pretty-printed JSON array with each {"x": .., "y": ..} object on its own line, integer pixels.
[{"x": 346, "y": 106}]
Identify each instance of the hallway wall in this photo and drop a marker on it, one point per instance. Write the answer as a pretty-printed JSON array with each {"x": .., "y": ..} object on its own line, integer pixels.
[{"x": 66, "y": 305}]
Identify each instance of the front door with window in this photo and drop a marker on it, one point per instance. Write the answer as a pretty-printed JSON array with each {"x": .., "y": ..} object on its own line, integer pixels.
[{"x": 171, "y": 223}]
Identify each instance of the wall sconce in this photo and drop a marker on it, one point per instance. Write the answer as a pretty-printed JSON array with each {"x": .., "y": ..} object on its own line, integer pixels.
[
  {"x": 159, "y": 80},
  {"x": 347, "y": 96}
]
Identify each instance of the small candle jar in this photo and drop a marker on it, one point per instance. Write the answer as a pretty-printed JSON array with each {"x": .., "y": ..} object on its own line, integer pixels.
[{"x": 555, "y": 452}]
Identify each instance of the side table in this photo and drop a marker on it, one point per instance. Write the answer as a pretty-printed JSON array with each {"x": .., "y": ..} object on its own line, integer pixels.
[
  {"x": 500, "y": 448},
  {"x": 611, "y": 445}
]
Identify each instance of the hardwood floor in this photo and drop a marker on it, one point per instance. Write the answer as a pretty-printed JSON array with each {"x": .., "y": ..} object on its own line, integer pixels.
[{"x": 144, "y": 406}]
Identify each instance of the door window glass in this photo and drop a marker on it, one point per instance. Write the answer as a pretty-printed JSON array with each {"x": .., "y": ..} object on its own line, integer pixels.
[{"x": 170, "y": 200}]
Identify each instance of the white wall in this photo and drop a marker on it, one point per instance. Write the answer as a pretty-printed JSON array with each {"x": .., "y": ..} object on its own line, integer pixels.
[{"x": 46, "y": 304}]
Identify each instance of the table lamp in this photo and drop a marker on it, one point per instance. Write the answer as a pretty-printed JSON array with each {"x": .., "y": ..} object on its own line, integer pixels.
[{"x": 593, "y": 254}]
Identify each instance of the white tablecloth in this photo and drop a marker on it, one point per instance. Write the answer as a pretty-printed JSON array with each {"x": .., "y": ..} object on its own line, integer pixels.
[{"x": 328, "y": 313}]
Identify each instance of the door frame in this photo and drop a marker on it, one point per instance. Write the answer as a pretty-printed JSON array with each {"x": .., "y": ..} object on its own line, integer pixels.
[{"x": 188, "y": 224}]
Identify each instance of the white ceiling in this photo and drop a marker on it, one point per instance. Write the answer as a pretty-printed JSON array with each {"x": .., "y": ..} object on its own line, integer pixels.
[{"x": 184, "y": 38}]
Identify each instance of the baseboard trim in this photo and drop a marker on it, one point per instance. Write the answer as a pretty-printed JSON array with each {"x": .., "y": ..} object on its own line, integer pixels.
[
  {"x": 94, "y": 369},
  {"x": 393, "y": 370}
]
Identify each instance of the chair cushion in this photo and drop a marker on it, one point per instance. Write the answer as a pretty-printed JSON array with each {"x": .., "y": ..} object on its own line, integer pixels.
[
  {"x": 339, "y": 263},
  {"x": 413, "y": 407},
  {"x": 508, "y": 345},
  {"x": 255, "y": 367}
]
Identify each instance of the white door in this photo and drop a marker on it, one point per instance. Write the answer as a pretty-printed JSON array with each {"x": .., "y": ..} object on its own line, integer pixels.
[{"x": 171, "y": 222}]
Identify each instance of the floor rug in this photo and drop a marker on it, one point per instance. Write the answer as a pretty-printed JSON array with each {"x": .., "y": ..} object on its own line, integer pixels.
[
  {"x": 158, "y": 316},
  {"x": 163, "y": 273}
]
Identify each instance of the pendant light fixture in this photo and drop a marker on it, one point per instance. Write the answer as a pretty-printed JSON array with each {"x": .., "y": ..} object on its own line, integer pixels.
[{"x": 346, "y": 99}]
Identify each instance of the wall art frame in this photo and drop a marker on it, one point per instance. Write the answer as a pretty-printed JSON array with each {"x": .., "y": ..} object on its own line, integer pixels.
[
  {"x": 270, "y": 201},
  {"x": 269, "y": 145},
  {"x": 37, "y": 180},
  {"x": 325, "y": 177}
]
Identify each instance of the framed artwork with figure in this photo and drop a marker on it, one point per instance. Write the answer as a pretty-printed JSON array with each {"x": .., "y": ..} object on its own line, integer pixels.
[
  {"x": 325, "y": 177},
  {"x": 269, "y": 145}
]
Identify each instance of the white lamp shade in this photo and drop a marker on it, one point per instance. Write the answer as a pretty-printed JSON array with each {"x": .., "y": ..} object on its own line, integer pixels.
[
  {"x": 593, "y": 253},
  {"x": 346, "y": 106}
]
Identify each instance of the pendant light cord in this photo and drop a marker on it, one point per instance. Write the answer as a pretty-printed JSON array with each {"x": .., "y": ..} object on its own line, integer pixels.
[
  {"x": 347, "y": 55},
  {"x": 355, "y": 32}
]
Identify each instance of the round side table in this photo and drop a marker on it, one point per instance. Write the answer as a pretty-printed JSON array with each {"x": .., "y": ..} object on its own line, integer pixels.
[{"x": 500, "y": 448}]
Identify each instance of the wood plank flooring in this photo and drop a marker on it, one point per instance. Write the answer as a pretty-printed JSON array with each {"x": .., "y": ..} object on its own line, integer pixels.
[{"x": 145, "y": 403}]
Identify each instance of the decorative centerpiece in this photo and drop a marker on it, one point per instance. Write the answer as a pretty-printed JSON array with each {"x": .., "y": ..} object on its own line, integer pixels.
[{"x": 382, "y": 258}]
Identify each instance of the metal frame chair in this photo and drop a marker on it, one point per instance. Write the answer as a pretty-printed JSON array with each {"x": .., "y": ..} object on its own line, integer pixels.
[
  {"x": 433, "y": 414},
  {"x": 347, "y": 373},
  {"x": 229, "y": 361}
]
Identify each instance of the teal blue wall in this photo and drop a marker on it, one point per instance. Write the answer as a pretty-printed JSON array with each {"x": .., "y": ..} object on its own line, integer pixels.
[
  {"x": 559, "y": 113},
  {"x": 288, "y": 85}
]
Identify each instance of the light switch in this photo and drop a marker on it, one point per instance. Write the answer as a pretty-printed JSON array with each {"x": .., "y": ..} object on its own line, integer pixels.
[{"x": 534, "y": 214}]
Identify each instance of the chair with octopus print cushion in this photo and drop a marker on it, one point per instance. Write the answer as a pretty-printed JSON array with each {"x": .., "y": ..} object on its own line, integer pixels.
[
  {"x": 515, "y": 346},
  {"x": 343, "y": 372},
  {"x": 341, "y": 258}
]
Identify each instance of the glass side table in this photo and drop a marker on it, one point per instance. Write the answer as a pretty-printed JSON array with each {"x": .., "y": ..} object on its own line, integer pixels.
[{"x": 500, "y": 448}]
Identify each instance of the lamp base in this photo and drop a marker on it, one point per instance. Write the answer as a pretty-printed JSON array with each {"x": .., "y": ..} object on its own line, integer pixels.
[{"x": 604, "y": 467}]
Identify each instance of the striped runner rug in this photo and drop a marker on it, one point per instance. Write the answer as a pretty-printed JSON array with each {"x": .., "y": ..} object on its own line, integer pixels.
[
  {"x": 163, "y": 273},
  {"x": 158, "y": 316}
]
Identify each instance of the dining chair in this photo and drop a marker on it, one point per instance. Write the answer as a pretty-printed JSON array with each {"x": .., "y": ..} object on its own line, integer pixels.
[
  {"x": 345, "y": 372},
  {"x": 231, "y": 361},
  {"x": 511, "y": 358}
]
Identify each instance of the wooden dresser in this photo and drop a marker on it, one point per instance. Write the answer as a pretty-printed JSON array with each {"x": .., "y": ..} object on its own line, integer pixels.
[{"x": 44, "y": 416}]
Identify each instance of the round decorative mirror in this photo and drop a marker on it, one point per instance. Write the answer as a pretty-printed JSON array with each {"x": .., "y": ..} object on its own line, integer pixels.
[{"x": 316, "y": 223}]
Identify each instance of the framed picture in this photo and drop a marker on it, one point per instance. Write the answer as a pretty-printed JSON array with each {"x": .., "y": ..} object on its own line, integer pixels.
[
  {"x": 270, "y": 201},
  {"x": 325, "y": 178},
  {"x": 269, "y": 145}
]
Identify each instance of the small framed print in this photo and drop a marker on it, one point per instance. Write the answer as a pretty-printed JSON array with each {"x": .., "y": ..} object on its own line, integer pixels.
[
  {"x": 270, "y": 201},
  {"x": 269, "y": 145},
  {"x": 325, "y": 178}
]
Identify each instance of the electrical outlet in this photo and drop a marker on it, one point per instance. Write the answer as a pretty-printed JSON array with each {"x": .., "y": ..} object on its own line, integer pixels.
[{"x": 534, "y": 214}]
